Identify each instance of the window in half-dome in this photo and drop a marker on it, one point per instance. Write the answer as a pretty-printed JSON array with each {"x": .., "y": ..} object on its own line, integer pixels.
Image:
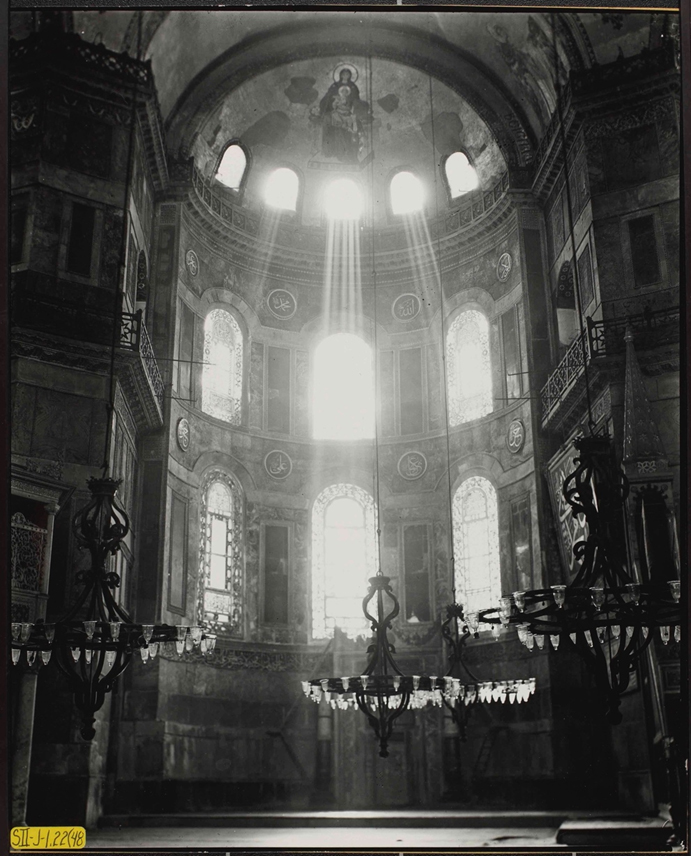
[
  {"x": 407, "y": 193},
  {"x": 282, "y": 188},
  {"x": 460, "y": 174},
  {"x": 232, "y": 167}
]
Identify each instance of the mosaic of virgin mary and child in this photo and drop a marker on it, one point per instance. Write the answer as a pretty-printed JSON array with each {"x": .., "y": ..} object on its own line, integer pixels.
[{"x": 341, "y": 114}]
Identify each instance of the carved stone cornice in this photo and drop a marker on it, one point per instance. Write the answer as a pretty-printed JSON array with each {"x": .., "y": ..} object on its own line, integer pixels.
[
  {"x": 296, "y": 253},
  {"x": 48, "y": 348},
  {"x": 92, "y": 79},
  {"x": 604, "y": 100}
]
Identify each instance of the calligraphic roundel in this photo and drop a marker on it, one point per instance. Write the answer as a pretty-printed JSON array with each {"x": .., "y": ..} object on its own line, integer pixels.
[
  {"x": 278, "y": 464},
  {"x": 282, "y": 304},
  {"x": 405, "y": 307}
]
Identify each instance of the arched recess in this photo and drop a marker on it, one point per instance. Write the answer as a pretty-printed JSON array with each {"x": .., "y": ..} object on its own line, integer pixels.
[{"x": 457, "y": 68}]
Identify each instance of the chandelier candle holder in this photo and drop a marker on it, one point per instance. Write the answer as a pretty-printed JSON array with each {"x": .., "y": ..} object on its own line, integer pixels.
[
  {"x": 383, "y": 693},
  {"x": 456, "y": 630},
  {"x": 93, "y": 643},
  {"x": 607, "y": 613}
]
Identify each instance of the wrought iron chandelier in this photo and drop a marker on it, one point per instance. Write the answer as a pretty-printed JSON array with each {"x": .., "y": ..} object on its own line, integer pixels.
[
  {"x": 383, "y": 693},
  {"x": 608, "y": 613},
  {"x": 456, "y": 630},
  {"x": 95, "y": 640}
]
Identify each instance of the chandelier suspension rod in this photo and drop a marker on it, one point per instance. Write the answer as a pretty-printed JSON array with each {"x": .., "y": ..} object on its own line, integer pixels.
[
  {"x": 121, "y": 278},
  {"x": 442, "y": 343},
  {"x": 569, "y": 211},
  {"x": 377, "y": 511}
]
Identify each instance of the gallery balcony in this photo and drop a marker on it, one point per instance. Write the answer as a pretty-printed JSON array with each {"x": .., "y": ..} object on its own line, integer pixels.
[
  {"x": 54, "y": 320},
  {"x": 566, "y": 384},
  {"x": 138, "y": 371}
]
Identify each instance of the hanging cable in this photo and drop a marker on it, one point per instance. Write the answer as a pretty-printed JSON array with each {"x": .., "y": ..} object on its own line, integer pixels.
[
  {"x": 377, "y": 400},
  {"x": 569, "y": 210},
  {"x": 121, "y": 281},
  {"x": 445, "y": 393}
]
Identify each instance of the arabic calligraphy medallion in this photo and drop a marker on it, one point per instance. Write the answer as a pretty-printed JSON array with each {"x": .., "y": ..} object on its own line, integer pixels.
[
  {"x": 182, "y": 433},
  {"x": 278, "y": 464},
  {"x": 281, "y": 304},
  {"x": 405, "y": 307},
  {"x": 192, "y": 262},
  {"x": 515, "y": 437},
  {"x": 504, "y": 267},
  {"x": 412, "y": 465}
]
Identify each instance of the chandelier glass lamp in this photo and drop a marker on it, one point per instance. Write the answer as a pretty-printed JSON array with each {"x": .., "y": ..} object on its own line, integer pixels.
[
  {"x": 383, "y": 693},
  {"x": 607, "y": 613},
  {"x": 456, "y": 630},
  {"x": 94, "y": 642}
]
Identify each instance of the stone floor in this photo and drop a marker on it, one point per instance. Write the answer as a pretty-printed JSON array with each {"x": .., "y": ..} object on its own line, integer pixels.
[
  {"x": 372, "y": 837},
  {"x": 376, "y": 830}
]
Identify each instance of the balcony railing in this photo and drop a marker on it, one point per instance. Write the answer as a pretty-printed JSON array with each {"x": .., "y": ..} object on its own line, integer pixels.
[
  {"x": 135, "y": 337},
  {"x": 565, "y": 375},
  {"x": 650, "y": 329},
  {"x": 606, "y": 338}
]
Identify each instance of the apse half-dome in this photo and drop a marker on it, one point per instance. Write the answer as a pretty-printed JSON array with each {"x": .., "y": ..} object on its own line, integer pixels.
[{"x": 347, "y": 116}]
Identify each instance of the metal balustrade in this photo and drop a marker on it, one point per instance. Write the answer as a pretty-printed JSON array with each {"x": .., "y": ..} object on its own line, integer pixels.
[
  {"x": 651, "y": 328},
  {"x": 135, "y": 337},
  {"x": 565, "y": 374}
]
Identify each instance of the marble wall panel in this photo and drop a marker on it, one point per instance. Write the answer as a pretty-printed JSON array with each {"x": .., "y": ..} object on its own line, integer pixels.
[
  {"x": 162, "y": 280},
  {"x": 45, "y": 237},
  {"x": 62, "y": 426},
  {"x": 256, "y": 386},
  {"x": 23, "y": 406},
  {"x": 301, "y": 405}
]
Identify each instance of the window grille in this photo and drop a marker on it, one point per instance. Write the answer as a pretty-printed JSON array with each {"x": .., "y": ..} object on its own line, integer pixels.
[
  {"x": 222, "y": 374},
  {"x": 221, "y": 560},
  {"x": 344, "y": 557},
  {"x": 476, "y": 544},
  {"x": 469, "y": 372}
]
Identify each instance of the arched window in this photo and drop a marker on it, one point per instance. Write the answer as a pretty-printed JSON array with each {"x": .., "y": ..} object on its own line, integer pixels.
[
  {"x": 469, "y": 372},
  {"x": 567, "y": 317},
  {"x": 344, "y": 550},
  {"x": 476, "y": 544},
  {"x": 460, "y": 174},
  {"x": 407, "y": 193},
  {"x": 282, "y": 188},
  {"x": 343, "y": 389},
  {"x": 222, "y": 373},
  {"x": 231, "y": 169},
  {"x": 142, "y": 278},
  {"x": 221, "y": 573}
]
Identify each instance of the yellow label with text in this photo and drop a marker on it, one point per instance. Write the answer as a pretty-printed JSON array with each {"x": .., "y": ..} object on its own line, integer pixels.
[{"x": 47, "y": 837}]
